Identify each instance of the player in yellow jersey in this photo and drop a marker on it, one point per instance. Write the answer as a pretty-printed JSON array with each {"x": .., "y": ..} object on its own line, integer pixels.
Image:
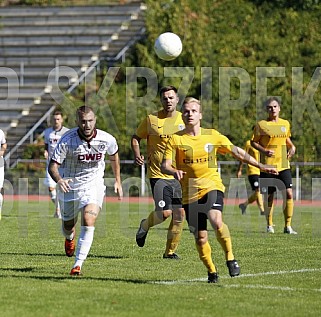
[
  {"x": 253, "y": 174},
  {"x": 272, "y": 138},
  {"x": 156, "y": 128},
  {"x": 191, "y": 157}
]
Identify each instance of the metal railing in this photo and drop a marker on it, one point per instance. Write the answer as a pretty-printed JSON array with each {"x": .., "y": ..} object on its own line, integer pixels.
[
  {"x": 297, "y": 186},
  {"x": 30, "y": 135}
]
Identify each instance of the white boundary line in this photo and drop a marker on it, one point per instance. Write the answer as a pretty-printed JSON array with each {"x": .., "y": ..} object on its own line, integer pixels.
[
  {"x": 278, "y": 288},
  {"x": 253, "y": 286}
]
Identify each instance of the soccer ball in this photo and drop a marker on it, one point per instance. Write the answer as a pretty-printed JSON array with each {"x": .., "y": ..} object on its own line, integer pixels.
[{"x": 168, "y": 46}]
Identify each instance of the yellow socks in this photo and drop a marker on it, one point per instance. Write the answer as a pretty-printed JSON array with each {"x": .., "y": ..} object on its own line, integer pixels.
[
  {"x": 173, "y": 236},
  {"x": 251, "y": 199},
  {"x": 205, "y": 254},
  {"x": 174, "y": 230},
  {"x": 256, "y": 196},
  {"x": 151, "y": 221},
  {"x": 288, "y": 212},
  {"x": 269, "y": 215},
  {"x": 259, "y": 201},
  {"x": 224, "y": 238}
]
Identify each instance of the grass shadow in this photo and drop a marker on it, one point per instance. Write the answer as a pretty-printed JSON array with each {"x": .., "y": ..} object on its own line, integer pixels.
[{"x": 63, "y": 255}]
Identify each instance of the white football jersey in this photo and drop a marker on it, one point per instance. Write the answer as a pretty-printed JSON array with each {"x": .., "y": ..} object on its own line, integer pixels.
[
  {"x": 52, "y": 138},
  {"x": 2, "y": 138},
  {"x": 82, "y": 161},
  {"x": 2, "y": 141}
]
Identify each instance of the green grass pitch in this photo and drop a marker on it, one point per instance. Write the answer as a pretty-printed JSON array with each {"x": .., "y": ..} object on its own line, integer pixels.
[{"x": 280, "y": 274}]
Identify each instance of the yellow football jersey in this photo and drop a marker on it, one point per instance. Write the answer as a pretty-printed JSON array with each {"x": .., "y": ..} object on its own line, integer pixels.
[
  {"x": 156, "y": 128},
  {"x": 252, "y": 170},
  {"x": 272, "y": 136},
  {"x": 197, "y": 156}
]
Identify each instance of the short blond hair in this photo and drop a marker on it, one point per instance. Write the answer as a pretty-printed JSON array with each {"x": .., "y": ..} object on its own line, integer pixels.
[{"x": 190, "y": 100}]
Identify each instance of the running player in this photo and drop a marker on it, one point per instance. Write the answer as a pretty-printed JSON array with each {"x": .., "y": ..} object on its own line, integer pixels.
[
  {"x": 82, "y": 151},
  {"x": 52, "y": 136},
  {"x": 3, "y": 148},
  {"x": 272, "y": 138},
  {"x": 253, "y": 174},
  {"x": 191, "y": 157},
  {"x": 156, "y": 128}
]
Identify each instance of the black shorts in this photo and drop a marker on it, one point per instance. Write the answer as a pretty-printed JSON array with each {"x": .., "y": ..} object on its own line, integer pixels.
[
  {"x": 269, "y": 183},
  {"x": 167, "y": 193},
  {"x": 196, "y": 213},
  {"x": 254, "y": 181}
]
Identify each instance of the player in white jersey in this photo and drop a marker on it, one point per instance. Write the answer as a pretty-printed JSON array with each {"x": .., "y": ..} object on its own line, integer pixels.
[
  {"x": 3, "y": 147},
  {"x": 52, "y": 136},
  {"x": 81, "y": 152}
]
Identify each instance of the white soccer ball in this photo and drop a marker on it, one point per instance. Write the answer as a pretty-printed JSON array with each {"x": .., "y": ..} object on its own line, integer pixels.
[{"x": 168, "y": 46}]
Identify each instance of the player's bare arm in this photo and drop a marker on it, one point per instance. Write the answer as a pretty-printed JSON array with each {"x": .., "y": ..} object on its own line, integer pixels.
[
  {"x": 3, "y": 149},
  {"x": 291, "y": 148},
  {"x": 135, "y": 145},
  {"x": 167, "y": 168},
  {"x": 260, "y": 148},
  {"x": 46, "y": 154},
  {"x": 245, "y": 157},
  {"x": 239, "y": 170},
  {"x": 115, "y": 165},
  {"x": 63, "y": 184}
]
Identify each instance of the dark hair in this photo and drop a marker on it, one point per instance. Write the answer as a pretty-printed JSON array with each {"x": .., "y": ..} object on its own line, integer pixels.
[
  {"x": 84, "y": 109},
  {"x": 268, "y": 101},
  {"x": 167, "y": 88},
  {"x": 57, "y": 113}
]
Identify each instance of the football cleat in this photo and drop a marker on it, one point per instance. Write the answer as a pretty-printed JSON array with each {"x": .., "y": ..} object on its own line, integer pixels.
[
  {"x": 289, "y": 230},
  {"x": 70, "y": 247},
  {"x": 243, "y": 208},
  {"x": 75, "y": 271},
  {"x": 141, "y": 235},
  {"x": 233, "y": 268},
  {"x": 172, "y": 256},
  {"x": 212, "y": 277},
  {"x": 269, "y": 229}
]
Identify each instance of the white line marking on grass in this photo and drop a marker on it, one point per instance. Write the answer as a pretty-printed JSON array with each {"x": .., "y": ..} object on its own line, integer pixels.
[
  {"x": 173, "y": 282},
  {"x": 279, "y": 272},
  {"x": 278, "y": 288}
]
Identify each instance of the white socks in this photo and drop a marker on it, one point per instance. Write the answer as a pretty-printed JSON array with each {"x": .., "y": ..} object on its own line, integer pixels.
[
  {"x": 67, "y": 234},
  {"x": 1, "y": 200},
  {"x": 85, "y": 241},
  {"x": 53, "y": 195}
]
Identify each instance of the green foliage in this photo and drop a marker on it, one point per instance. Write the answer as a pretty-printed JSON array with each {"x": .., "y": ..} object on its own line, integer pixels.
[
  {"x": 234, "y": 54},
  {"x": 256, "y": 48},
  {"x": 34, "y": 151},
  {"x": 46, "y": 3},
  {"x": 295, "y": 4}
]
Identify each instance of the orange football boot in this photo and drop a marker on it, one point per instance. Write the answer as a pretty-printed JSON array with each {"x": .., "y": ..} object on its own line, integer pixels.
[
  {"x": 70, "y": 247},
  {"x": 75, "y": 271}
]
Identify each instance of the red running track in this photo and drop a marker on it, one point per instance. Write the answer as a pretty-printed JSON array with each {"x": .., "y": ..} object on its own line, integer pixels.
[{"x": 227, "y": 201}]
